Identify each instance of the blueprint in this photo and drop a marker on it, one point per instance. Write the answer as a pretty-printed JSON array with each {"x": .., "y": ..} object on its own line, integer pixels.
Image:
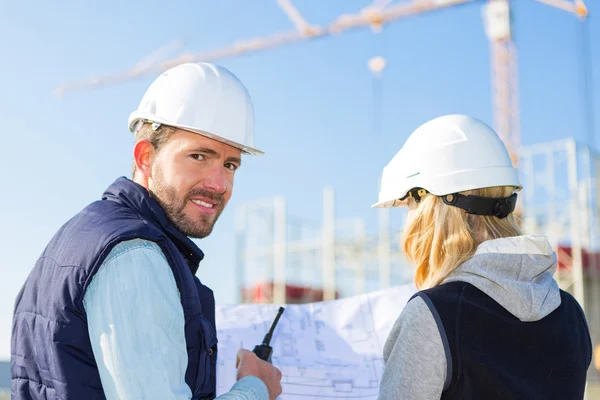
[{"x": 326, "y": 350}]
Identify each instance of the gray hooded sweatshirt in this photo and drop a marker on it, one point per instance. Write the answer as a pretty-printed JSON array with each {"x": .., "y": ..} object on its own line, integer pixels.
[{"x": 516, "y": 272}]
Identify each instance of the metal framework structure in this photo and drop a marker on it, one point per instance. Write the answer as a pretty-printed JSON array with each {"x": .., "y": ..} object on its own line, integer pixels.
[
  {"x": 337, "y": 256},
  {"x": 497, "y": 20},
  {"x": 562, "y": 201},
  {"x": 562, "y": 189}
]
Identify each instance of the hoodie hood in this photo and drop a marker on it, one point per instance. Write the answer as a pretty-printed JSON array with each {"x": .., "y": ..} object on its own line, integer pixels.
[{"x": 517, "y": 273}]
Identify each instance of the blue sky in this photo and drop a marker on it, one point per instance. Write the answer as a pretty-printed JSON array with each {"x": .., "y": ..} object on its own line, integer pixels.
[{"x": 313, "y": 102}]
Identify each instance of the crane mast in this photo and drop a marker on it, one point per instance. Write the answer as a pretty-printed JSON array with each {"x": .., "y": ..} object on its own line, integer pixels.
[{"x": 497, "y": 22}]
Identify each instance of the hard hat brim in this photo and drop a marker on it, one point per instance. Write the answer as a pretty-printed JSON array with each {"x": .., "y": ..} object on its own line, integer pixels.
[
  {"x": 245, "y": 149},
  {"x": 389, "y": 204}
]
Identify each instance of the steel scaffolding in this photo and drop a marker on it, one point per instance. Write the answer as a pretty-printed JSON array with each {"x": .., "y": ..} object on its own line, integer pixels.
[
  {"x": 333, "y": 255},
  {"x": 561, "y": 201}
]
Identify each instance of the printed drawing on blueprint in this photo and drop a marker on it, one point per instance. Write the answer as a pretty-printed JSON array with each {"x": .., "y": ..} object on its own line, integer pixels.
[{"x": 329, "y": 350}]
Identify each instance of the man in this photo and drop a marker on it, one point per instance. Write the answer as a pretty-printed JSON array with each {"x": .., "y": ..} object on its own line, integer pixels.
[{"x": 112, "y": 308}]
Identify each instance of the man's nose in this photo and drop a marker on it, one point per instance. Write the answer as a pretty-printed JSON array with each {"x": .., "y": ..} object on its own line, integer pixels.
[{"x": 216, "y": 180}]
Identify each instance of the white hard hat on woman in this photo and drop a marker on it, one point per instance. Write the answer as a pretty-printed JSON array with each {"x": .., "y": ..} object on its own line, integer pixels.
[
  {"x": 488, "y": 307},
  {"x": 447, "y": 155}
]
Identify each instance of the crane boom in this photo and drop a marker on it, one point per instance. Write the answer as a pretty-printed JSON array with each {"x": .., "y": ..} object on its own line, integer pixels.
[
  {"x": 367, "y": 17},
  {"x": 376, "y": 14}
]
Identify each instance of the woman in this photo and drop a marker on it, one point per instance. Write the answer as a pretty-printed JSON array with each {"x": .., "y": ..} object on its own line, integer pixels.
[{"x": 489, "y": 320}]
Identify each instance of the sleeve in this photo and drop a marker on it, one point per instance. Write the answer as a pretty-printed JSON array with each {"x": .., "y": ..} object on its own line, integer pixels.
[
  {"x": 416, "y": 366},
  {"x": 136, "y": 325},
  {"x": 247, "y": 388}
]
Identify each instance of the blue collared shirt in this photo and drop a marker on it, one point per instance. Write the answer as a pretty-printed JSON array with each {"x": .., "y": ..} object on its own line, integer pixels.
[{"x": 136, "y": 328}]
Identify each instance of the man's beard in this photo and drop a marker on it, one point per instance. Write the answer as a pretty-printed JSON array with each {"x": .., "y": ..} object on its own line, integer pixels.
[{"x": 174, "y": 208}]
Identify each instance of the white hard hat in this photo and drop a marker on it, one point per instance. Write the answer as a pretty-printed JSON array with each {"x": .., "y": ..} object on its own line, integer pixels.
[
  {"x": 202, "y": 98},
  {"x": 444, "y": 156}
]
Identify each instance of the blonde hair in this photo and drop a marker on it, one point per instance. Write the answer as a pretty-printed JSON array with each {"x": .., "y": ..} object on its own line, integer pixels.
[{"x": 440, "y": 237}]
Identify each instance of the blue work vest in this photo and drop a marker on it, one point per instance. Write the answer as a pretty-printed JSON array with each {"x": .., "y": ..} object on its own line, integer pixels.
[
  {"x": 495, "y": 356},
  {"x": 51, "y": 353}
]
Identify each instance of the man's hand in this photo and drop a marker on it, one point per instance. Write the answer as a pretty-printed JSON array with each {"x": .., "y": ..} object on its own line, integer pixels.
[{"x": 248, "y": 363}]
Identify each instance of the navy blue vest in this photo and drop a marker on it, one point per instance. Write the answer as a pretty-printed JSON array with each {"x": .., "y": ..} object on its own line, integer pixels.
[
  {"x": 494, "y": 355},
  {"x": 51, "y": 354}
]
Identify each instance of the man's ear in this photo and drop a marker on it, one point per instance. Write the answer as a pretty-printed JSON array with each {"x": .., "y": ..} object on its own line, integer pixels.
[{"x": 143, "y": 156}]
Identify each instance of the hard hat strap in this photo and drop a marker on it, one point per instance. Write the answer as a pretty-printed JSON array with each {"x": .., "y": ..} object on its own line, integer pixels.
[{"x": 477, "y": 205}]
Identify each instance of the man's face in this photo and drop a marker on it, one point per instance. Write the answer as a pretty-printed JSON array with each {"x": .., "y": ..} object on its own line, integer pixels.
[{"x": 192, "y": 179}]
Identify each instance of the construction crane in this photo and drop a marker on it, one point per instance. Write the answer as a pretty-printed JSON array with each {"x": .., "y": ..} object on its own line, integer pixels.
[{"x": 497, "y": 21}]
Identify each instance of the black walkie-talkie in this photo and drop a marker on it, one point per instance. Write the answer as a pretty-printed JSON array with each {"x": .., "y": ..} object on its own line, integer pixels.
[{"x": 264, "y": 350}]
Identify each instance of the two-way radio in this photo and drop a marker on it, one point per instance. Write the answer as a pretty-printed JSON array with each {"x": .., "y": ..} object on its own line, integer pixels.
[{"x": 264, "y": 350}]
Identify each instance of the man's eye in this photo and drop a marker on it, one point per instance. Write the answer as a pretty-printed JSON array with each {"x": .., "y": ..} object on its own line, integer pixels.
[
  {"x": 197, "y": 156},
  {"x": 230, "y": 166}
]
